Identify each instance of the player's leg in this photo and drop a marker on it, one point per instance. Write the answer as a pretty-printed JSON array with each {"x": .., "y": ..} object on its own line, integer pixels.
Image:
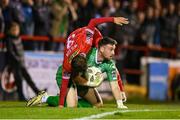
[
  {"x": 54, "y": 100},
  {"x": 29, "y": 80},
  {"x": 44, "y": 98},
  {"x": 72, "y": 98},
  {"x": 91, "y": 95},
  {"x": 39, "y": 99},
  {"x": 18, "y": 82}
]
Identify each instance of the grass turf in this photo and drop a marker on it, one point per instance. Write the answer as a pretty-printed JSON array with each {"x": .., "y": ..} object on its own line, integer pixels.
[{"x": 9, "y": 110}]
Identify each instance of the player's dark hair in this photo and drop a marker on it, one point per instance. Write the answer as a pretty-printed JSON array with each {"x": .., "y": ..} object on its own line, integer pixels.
[
  {"x": 107, "y": 40},
  {"x": 79, "y": 63}
]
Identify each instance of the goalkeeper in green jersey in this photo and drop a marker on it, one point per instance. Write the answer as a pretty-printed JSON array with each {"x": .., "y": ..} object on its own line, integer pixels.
[{"x": 100, "y": 57}]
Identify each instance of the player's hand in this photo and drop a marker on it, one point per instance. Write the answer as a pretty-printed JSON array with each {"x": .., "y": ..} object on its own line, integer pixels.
[
  {"x": 120, "y": 20},
  {"x": 124, "y": 98}
]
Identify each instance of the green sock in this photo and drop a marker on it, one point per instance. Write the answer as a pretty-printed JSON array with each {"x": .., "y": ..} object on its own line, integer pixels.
[
  {"x": 54, "y": 102},
  {"x": 83, "y": 103}
]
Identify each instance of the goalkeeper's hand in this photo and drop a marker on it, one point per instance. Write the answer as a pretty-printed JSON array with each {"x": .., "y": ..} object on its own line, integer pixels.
[{"x": 123, "y": 95}]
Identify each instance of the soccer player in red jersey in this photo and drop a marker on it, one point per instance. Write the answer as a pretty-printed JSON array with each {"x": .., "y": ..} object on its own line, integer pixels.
[
  {"x": 99, "y": 58},
  {"x": 80, "y": 42}
]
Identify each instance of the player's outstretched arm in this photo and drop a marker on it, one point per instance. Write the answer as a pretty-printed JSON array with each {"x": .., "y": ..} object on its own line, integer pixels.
[
  {"x": 123, "y": 95},
  {"x": 118, "y": 97},
  {"x": 117, "y": 20}
]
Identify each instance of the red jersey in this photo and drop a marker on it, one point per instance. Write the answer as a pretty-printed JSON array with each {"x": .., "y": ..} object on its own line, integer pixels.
[{"x": 79, "y": 41}]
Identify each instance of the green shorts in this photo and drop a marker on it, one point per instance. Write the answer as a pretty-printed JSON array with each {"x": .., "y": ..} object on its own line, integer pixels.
[
  {"x": 54, "y": 100},
  {"x": 59, "y": 78},
  {"x": 82, "y": 89}
]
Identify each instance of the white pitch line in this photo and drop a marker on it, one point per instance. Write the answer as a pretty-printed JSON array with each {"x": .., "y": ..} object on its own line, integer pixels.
[{"x": 121, "y": 111}]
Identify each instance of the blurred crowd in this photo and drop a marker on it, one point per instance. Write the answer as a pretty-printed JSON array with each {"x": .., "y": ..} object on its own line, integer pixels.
[{"x": 154, "y": 22}]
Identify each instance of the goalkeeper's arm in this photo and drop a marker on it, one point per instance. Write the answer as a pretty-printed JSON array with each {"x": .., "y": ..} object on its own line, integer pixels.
[
  {"x": 79, "y": 67},
  {"x": 81, "y": 80}
]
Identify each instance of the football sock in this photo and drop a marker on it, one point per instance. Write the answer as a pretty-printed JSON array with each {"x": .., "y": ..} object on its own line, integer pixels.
[
  {"x": 119, "y": 102},
  {"x": 54, "y": 102},
  {"x": 44, "y": 99}
]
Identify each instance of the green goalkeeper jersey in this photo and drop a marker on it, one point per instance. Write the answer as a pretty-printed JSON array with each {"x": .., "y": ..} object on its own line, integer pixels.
[{"x": 107, "y": 66}]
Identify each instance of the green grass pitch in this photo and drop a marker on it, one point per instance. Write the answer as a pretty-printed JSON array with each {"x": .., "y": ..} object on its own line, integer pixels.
[{"x": 18, "y": 110}]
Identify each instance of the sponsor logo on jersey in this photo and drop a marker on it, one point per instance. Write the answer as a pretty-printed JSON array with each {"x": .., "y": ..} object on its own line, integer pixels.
[
  {"x": 73, "y": 55},
  {"x": 114, "y": 74},
  {"x": 89, "y": 35},
  {"x": 66, "y": 75},
  {"x": 70, "y": 50}
]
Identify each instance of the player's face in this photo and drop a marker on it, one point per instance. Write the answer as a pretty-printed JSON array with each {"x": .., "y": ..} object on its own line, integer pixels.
[
  {"x": 108, "y": 51},
  {"x": 15, "y": 30}
]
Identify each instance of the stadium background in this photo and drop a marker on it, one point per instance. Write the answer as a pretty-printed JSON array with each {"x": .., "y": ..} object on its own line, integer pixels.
[{"x": 147, "y": 51}]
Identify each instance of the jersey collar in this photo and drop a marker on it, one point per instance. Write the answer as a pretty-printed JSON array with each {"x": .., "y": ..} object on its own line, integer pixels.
[
  {"x": 97, "y": 57},
  {"x": 89, "y": 30}
]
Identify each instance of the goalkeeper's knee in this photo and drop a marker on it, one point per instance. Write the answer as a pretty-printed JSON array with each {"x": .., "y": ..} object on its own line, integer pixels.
[{"x": 97, "y": 105}]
